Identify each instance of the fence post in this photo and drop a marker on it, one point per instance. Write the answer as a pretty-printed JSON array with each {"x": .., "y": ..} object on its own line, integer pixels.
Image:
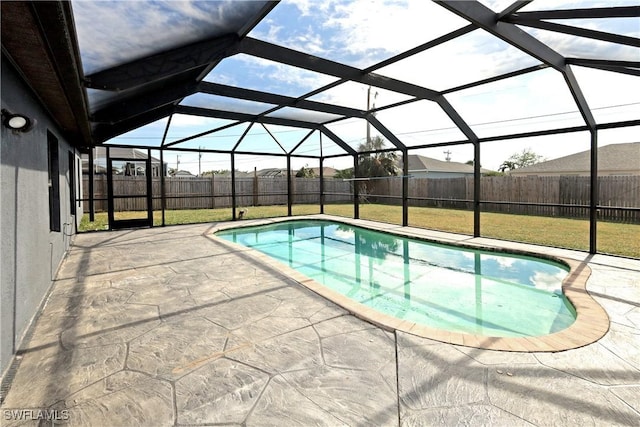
[
  {"x": 356, "y": 195},
  {"x": 255, "y": 186},
  {"x": 289, "y": 187},
  {"x": 405, "y": 187},
  {"x": 321, "y": 185},
  {"x": 213, "y": 191}
]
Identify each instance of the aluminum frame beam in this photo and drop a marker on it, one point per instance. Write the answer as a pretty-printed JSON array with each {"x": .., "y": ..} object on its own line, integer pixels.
[
  {"x": 623, "y": 67},
  {"x": 576, "y": 31},
  {"x": 601, "y": 12},
  {"x": 283, "y": 55},
  {"x": 280, "y": 100}
]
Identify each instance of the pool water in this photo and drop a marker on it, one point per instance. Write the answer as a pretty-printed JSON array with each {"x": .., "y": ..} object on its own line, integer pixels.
[{"x": 436, "y": 285}]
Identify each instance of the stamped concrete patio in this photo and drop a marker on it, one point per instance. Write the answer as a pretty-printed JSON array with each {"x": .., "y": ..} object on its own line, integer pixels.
[{"x": 169, "y": 326}]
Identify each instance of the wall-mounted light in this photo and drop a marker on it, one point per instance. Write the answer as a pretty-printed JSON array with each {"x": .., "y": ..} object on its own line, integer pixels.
[{"x": 16, "y": 122}]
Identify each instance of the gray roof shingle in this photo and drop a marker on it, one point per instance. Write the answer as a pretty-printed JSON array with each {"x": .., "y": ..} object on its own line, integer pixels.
[{"x": 420, "y": 163}]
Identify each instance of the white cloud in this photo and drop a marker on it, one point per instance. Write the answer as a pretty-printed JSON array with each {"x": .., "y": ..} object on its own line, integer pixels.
[
  {"x": 548, "y": 282},
  {"x": 383, "y": 28},
  {"x": 504, "y": 262}
]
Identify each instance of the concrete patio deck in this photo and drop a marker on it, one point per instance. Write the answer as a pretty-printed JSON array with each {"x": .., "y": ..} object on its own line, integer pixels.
[{"x": 167, "y": 326}]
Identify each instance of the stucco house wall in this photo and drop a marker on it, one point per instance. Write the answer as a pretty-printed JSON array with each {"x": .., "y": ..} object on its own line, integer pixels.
[{"x": 31, "y": 252}]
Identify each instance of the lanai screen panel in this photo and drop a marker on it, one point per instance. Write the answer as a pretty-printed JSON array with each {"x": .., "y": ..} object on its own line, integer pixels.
[
  {"x": 214, "y": 134},
  {"x": 289, "y": 138},
  {"x": 612, "y": 96},
  {"x": 401, "y": 51},
  {"x": 420, "y": 123},
  {"x": 526, "y": 103},
  {"x": 356, "y": 33},
  {"x": 304, "y": 115},
  {"x": 353, "y": 132},
  {"x": 466, "y": 59},
  {"x": 225, "y": 103},
  {"x": 148, "y": 135},
  {"x": 359, "y": 96}
]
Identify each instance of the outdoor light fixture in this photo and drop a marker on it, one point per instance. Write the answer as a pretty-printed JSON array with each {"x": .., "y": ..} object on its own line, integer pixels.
[{"x": 16, "y": 122}]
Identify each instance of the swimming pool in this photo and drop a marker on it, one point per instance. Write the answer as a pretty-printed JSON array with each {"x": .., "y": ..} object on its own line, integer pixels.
[{"x": 457, "y": 289}]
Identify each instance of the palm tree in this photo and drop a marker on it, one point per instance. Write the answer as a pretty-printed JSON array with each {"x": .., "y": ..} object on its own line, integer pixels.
[{"x": 376, "y": 164}]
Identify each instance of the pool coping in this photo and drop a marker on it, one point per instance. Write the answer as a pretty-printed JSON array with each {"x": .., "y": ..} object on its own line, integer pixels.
[{"x": 591, "y": 324}]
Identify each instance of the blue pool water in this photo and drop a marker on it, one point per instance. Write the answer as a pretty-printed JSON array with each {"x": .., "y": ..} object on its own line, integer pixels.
[{"x": 437, "y": 285}]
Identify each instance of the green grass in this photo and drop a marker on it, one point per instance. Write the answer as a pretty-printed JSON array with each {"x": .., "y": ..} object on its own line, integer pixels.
[{"x": 613, "y": 238}]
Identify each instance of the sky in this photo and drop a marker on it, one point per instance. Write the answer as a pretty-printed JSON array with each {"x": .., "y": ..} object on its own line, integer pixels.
[{"x": 362, "y": 33}]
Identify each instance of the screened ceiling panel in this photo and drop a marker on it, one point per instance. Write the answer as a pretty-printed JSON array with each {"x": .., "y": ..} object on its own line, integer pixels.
[
  {"x": 601, "y": 88},
  {"x": 357, "y": 33},
  {"x": 353, "y": 131},
  {"x": 303, "y": 115},
  {"x": 310, "y": 146},
  {"x": 148, "y": 135},
  {"x": 112, "y": 33},
  {"x": 420, "y": 123},
  {"x": 225, "y": 103},
  {"x": 474, "y": 56},
  {"x": 184, "y": 126},
  {"x": 288, "y": 137},
  {"x": 223, "y": 140},
  {"x": 258, "y": 140},
  {"x": 525, "y": 103},
  {"x": 143, "y": 60},
  {"x": 354, "y": 95},
  {"x": 249, "y": 72}
]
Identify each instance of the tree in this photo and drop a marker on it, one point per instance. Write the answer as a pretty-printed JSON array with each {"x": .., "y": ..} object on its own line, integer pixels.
[
  {"x": 305, "y": 172},
  {"x": 376, "y": 164},
  {"x": 217, "y": 172},
  {"x": 519, "y": 160},
  {"x": 344, "y": 174},
  {"x": 172, "y": 171}
]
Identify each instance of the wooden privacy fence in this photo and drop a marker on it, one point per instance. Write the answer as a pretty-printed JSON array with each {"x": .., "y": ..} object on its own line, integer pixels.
[
  {"x": 529, "y": 194},
  {"x": 215, "y": 192}
]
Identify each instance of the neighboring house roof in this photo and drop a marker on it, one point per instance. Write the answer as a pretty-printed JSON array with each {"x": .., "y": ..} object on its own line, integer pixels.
[
  {"x": 422, "y": 163},
  {"x": 622, "y": 158},
  {"x": 272, "y": 172},
  {"x": 327, "y": 172}
]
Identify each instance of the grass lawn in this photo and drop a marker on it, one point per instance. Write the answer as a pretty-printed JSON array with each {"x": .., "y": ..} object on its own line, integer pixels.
[{"x": 613, "y": 238}]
